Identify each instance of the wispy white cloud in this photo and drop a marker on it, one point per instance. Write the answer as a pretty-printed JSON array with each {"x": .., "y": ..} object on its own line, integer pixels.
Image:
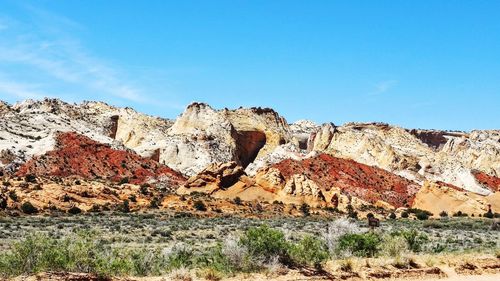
[
  {"x": 384, "y": 86},
  {"x": 47, "y": 46},
  {"x": 23, "y": 91}
]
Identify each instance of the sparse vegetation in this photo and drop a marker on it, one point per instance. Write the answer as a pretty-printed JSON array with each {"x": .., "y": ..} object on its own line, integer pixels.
[{"x": 219, "y": 247}]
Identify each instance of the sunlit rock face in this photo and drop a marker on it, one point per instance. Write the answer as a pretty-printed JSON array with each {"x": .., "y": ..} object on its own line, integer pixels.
[
  {"x": 203, "y": 135},
  {"x": 253, "y": 138},
  {"x": 433, "y": 155}
]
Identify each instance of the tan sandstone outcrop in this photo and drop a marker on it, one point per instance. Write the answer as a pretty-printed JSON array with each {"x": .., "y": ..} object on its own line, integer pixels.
[
  {"x": 203, "y": 135},
  {"x": 405, "y": 153},
  {"x": 436, "y": 197}
]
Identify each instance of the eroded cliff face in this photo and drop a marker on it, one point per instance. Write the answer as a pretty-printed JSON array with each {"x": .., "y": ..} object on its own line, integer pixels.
[
  {"x": 202, "y": 136},
  {"x": 318, "y": 181},
  {"x": 77, "y": 155},
  {"x": 406, "y": 154},
  {"x": 256, "y": 140},
  {"x": 29, "y": 128}
]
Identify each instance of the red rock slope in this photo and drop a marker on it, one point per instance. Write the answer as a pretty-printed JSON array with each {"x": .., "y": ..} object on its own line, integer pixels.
[
  {"x": 78, "y": 155},
  {"x": 353, "y": 178},
  {"x": 491, "y": 182}
]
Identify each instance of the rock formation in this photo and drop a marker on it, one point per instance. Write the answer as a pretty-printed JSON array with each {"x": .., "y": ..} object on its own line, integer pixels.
[
  {"x": 202, "y": 135},
  {"x": 77, "y": 155},
  {"x": 415, "y": 155},
  {"x": 251, "y": 153}
]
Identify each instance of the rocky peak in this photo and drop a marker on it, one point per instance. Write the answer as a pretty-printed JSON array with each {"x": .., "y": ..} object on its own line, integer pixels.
[
  {"x": 4, "y": 107},
  {"x": 47, "y": 105}
]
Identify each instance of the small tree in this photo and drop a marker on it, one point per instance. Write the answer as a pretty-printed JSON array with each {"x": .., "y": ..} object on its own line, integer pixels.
[
  {"x": 28, "y": 208},
  {"x": 124, "y": 180},
  {"x": 199, "y": 205},
  {"x": 405, "y": 214},
  {"x": 422, "y": 216},
  {"x": 30, "y": 178},
  {"x": 392, "y": 216},
  {"x": 74, "y": 210},
  {"x": 305, "y": 209},
  {"x": 443, "y": 214},
  {"x": 237, "y": 200},
  {"x": 125, "y": 206},
  {"x": 13, "y": 195}
]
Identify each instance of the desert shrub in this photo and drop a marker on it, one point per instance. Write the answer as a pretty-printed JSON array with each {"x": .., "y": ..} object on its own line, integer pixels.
[
  {"x": 415, "y": 239},
  {"x": 144, "y": 189},
  {"x": 392, "y": 216},
  {"x": 28, "y": 208},
  {"x": 78, "y": 253},
  {"x": 337, "y": 229},
  {"x": 235, "y": 253},
  {"x": 74, "y": 210},
  {"x": 237, "y": 200},
  {"x": 305, "y": 209},
  {"x": 124, "y": 180},
  {"x": 489, "y": 214},
  {"x": 215, "y": 262},
  {"x": 180, "y": 274},
  {"x": 13, "y": 195},
  {"x": 351, "y": 213},
  {"x": 420, "y": 214},
  {"x": 178, "y": 256},
  {"x": 361, "y": 244},
  {"x": 30, "y": 178},
  {"x": 265, "y": 243},
  {"x": 124, "y": 207},
  {"x": 443, "y": 214},
  {"x": 394, "y": 246},
  {"x": 3, "y": 202},
  {"x": 405, "y": 215},
  {"x": 199, "y": 205},
  {"x": 459, "y": 214},
  {"x": 309, "y": 251},
  {"x": 210, "y": 274},
  {"x": 154, "y": 203}
]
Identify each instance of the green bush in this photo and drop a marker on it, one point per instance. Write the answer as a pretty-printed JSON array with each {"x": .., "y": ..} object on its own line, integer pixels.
[
  {"x": 305, "y": 209},
  {"x": 266, "y": 243},
  {"x": 180, "y": 257},
  {"x": 489, "y": 214},
  {"x": 28, "y": 208},
  {"x": 394, "y": 246},
  {"x": 405, "y": 215},
  {"x": 82, "y": 253},
  {"x": 362, "y": 244},
  {"x": 199, "y": 205},
  {"x": 237, "y": 200},
  {"x": 74, "y": 210},
  {"x": 124, "y": 180},
  {"x": 125, "y": 206},
  {"x": 13, "y": 195},
  {"x": 459, "y": 214},
  {"x": 309, "y": 251},
  {"x": 420, "y": 214},
  {"x": 415, "y": 239},
  {"x": 30, "y": 178}
]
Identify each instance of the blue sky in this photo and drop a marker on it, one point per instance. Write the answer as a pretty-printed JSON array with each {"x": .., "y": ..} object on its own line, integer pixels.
[{"x": 418, "y": 64}]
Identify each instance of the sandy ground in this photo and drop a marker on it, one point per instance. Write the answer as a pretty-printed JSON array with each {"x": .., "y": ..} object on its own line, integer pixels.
[{"x": 494, "y": 277}]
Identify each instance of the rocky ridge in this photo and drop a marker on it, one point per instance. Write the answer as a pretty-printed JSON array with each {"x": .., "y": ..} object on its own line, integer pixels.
[{"x": 251, "y": 153}]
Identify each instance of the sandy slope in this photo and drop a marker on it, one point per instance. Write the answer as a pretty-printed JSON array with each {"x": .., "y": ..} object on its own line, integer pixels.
[{"x": 494, "y": 277}]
